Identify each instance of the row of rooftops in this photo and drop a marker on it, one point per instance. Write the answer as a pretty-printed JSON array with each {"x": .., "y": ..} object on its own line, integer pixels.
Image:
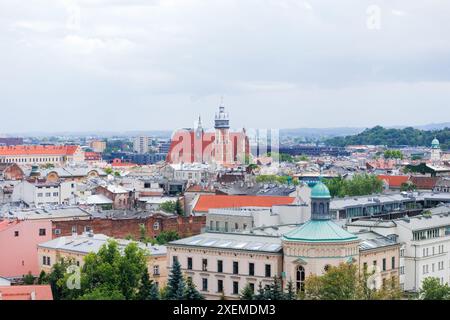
[
  {"x": 272, "y": 242},
  {"x": 437, "y": 217},
  {"x": 380, "y": 199},
  {"x": 22, "y": 150},
  {"x": 78, "y": 213}
]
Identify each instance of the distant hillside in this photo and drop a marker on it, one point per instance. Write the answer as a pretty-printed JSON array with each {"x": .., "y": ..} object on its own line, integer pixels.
[
  {"x": 394, "y": 137},
  {"x": 319, "y": 133}
]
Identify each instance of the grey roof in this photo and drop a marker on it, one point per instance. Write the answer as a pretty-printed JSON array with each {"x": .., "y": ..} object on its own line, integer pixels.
[
  {"x": 425, "y": 222},
  {"x": 373, "y": 200},
  {"x": 241, "y": 211},
  {"x": 277, "y": 230},
  {"x": 441, "y": 196},
  {"x": 128, "y": 214},
  {"x": 68, "y": 172},
  {"x": 57, "y": 213},
  {"x": 233, "y": 242},
  {"x": 239, "y": 188},
  {"x": 373, "y": 240},
  {"x": 440, "y": 217},
  {"x": 373, "y": 223},
  {"x": 87, "y": 244},
  {"x": 98, "y": 199}
]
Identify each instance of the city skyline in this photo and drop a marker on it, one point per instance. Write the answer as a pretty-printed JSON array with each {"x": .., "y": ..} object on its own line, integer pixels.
[{"x": 97, "y": 63}]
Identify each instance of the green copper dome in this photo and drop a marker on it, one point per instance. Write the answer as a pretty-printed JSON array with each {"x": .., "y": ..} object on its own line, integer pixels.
[
  {"x": 320, "y": 191},
  {"x": 319, "y": 231},
  {"x": 435, "y": 143}
]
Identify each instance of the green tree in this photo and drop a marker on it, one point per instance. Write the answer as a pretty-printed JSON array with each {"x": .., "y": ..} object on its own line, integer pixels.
[
  {"x": 290, "y": 292},
  {"x": 247, "y": 293},
  {"x": 131, "y": 267},
  {"x": 394, "y": 137},
  {"x": 114, "y": 272},
  {"x": 179, "y": 208},
  {"x": 166, "y": 237},
  {"x": 338, "y": 283},
  {"x": 345, "y": 282},
  {"x": 108, "y": 170},
  {"x": 102, "y": 293},
  {"x": 142, "y": 232},
  {"x": 393, "y": 154},
  {"x": 147, "y": 289},
  {"x": 43, "y": 278},
  {"x": 389, "y": 291},
  {"x": 359, "y": 185},
  {"x": 191, "y": 292},
  {"x": 275, "y": 290},
  {"x": 56, "y": 277},
  {"x": 261, "y": 294},
  {"x": 175, "y": 285},
  {"x": 28, "y": 279},
  {"x": 168, "y": 206},
  {"x": 408, "y": 186},
  {"x": 432, "y": 289},
  {"x": 302, "y": 158}
]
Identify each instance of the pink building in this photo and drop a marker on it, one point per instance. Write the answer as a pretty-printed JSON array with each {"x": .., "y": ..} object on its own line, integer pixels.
[{"x": 18, "y": 246}]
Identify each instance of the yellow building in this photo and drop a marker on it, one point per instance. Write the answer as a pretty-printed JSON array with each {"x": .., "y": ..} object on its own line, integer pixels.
[
  {"x": 98, "y": 145},
  {"x": 76, "y": 247},
  {"x": 381, "y": 255}
]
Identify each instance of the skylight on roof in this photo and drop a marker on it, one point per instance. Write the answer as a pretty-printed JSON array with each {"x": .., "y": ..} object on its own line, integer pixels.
[
  {"x": 195, "y": 241},
  {"x": 225, "y": 244},
  {"x": 209, "y": 242},
  {"x": 240, "y": 245},
  {"x": 255, "y": 246},
  {"x": 273, "y": 247}
]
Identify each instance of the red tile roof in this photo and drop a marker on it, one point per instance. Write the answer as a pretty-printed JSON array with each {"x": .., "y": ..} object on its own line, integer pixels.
[
  {"x": 206, "y": 202},
  {"x": 41, "y": 292},
  {"x": 427, "y": 183},
  {"x": 6, "y": 224},
  {"x": 394, "y": 181},
  {"x": 381, "y": 164},
  {"x": 37, "y": 150},
  {"x": 93, "y": 156},
  {"x": 120, "y": 163},
  {"x": 199, "y": 188}
]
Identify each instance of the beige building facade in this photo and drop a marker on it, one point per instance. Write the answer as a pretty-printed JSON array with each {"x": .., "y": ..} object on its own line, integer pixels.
[
  {"x": 76, "y": 247},
  {"x": 223, "y": 264}
]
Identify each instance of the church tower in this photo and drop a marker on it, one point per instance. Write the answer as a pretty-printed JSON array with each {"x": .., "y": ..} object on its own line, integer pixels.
[
  {"x": 222, "y": 144},
  {"x": 435, "y": 152}
]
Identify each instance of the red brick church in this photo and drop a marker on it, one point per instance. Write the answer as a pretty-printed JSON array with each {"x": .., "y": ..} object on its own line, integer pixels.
[{"x": 221, "y": 147}]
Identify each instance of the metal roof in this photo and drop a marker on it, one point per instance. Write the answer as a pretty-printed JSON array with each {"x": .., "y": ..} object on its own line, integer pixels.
[
  {"x": 233, "y": 242},
  {"x": 319, "y": 231},
  {"x": 86, "y": 244}
]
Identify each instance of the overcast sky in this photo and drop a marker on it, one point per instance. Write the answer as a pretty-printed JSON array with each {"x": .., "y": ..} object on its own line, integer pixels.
[{"x": 80, "y": 65}]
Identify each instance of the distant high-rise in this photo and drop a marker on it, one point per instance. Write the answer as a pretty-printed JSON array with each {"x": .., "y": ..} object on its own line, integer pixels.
[{"x": 141, "y": 144}]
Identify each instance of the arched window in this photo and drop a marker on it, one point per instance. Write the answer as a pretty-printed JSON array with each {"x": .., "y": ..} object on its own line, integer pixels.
[
  {"x": 321, "y": 208},
  {"x": 300, "y": 283},
  {"x": 315, "y": 207}
]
